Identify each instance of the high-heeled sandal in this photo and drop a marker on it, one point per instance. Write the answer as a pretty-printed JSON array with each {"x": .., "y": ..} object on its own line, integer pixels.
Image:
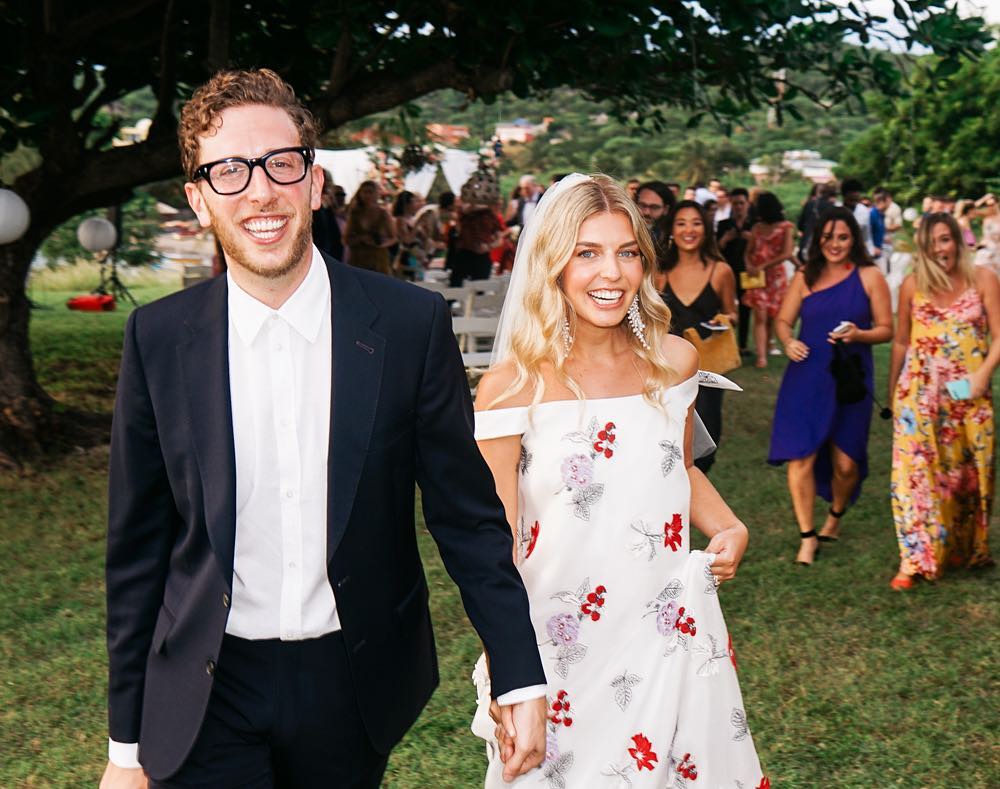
[
  {"x": 902, "y": 582},
  {"x": 805, "y": 535},
  {"x": 828, "y": 537}
]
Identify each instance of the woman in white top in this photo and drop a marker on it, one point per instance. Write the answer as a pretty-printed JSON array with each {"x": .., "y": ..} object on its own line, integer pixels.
[{"x": 585, "y": 420}]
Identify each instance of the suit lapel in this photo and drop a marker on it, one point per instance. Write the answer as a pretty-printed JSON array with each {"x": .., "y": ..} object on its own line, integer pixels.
[
  {"x": 204, "y": 364},
  {"x": 358, "y": 355}
]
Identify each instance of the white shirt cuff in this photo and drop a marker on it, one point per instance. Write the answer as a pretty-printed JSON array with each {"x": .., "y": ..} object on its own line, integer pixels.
[
  {"x": 124, "y": 754},
  {"x": 518, "y": 695}
]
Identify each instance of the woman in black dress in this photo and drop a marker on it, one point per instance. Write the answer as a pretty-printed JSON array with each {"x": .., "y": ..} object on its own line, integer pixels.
[{"x": 699, "y": 289}]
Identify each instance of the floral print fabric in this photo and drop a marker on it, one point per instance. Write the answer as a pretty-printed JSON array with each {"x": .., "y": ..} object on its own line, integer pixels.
[
  {"x": 642, "y": 687},
  {"x": 942, "y": 449},
  {"x": 768, "y": 245}
]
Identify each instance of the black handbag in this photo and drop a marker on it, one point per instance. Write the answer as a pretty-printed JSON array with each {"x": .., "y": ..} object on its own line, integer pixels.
[{"x": 848, "y": 374}]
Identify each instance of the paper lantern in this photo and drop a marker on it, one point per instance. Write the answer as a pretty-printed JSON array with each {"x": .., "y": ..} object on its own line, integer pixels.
[
  {"x": 14, "y": 216},
  {"x": 96, "y": 234}
]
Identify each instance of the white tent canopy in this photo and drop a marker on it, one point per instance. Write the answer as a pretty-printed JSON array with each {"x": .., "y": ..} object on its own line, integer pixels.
[{"x": 353, "y": 166}]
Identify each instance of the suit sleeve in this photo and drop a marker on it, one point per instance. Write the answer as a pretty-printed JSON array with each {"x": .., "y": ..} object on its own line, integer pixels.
[
  {"x": 142, "y": 523},
  {"x": 465, "y": 515}
]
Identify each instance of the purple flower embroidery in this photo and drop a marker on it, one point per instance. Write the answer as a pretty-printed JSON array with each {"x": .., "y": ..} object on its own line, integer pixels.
[
  {"x": 577, "y": 471},
  {"x": 666, "y": 618},
  {"x": 563, "y": 629}
]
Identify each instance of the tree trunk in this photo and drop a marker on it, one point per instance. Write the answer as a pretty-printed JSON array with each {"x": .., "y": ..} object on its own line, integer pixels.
[{"x": 26, "y": 416}]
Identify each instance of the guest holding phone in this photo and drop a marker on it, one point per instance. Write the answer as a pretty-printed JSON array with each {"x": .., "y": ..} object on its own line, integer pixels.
[
  {"x": 841, "y": 298},
  {"x": 939, "y": 384}
]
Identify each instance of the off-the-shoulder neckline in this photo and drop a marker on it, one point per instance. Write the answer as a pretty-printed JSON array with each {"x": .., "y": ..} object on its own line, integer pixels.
[{"x": 666, "y": 392}]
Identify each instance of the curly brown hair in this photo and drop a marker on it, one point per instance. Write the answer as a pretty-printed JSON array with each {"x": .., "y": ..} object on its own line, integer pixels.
[{"x": 237, "y": 89}]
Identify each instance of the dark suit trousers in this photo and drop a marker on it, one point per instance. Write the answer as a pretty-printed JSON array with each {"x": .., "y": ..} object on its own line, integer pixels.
[
  {"x": 282, "y": 715},
  {"x": 709, "y": 407}
]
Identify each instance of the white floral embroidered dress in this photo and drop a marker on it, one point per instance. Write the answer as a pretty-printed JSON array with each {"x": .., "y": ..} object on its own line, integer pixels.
[{"x": 642, "y": 688}]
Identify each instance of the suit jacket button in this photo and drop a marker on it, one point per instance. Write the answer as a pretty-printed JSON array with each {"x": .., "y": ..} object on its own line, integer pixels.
[
  {"x": 210, "y": 668},
  {"x": 225, "y": 599},
  {"x": 343, "y": 582},
  {"x": 359, "y": 646}
]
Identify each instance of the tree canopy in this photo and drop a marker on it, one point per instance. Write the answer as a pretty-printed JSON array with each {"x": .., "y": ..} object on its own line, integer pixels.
[
  {"x": 66, "y": 63},
  {"x": 941, "y": 138}
]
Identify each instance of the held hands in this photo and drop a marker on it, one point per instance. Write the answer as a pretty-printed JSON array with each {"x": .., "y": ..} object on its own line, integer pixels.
[
  {"x": 728, "y": 545},
  {"x": 850, "y": 334},
  {"x": 116, "y": 777},
  {"x": 797, "y": 350},
  {"x": 520, "y": 735},
  {"x": 978, "y": 384}
]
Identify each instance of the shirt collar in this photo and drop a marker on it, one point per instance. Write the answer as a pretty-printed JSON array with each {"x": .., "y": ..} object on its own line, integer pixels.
[{"x": 304, "y": 310}]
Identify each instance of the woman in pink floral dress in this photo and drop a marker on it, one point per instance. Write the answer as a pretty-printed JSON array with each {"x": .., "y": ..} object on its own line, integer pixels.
[
  {"x": 586, "y": 423},
  {"x": 942, "y": 449},
  {"x": 771, "y": 243}
]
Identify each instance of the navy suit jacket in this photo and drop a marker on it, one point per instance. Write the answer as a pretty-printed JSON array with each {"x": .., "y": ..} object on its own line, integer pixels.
[{"x": 401, "y": 416}]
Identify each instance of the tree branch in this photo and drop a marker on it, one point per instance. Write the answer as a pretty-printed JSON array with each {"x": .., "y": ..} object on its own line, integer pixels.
[
  {"x": 218, "y": 36},
  {"x": 89, "y": 25},
  {"x": 341, "y": 62},
  {"x": 164, "y": 117}
]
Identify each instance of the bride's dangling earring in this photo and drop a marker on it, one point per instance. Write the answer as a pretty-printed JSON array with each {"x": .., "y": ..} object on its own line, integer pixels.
[
  {"x": 567, "y": 336},
  {"x": 637, "y": 323}
]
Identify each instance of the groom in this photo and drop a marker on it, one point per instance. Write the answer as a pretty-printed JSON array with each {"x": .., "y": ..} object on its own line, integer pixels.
[{"x": 267, "y": 608}]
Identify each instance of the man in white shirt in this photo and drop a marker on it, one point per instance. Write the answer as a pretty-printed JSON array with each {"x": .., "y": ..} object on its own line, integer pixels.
[
  {"x": 853, "y": 193},
  {"x": 267, "y": 609}
]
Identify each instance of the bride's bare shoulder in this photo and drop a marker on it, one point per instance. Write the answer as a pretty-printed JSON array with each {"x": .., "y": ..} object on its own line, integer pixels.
[
  {"x": 681, "y": 356},
  {"x": 495, "y": 383}
]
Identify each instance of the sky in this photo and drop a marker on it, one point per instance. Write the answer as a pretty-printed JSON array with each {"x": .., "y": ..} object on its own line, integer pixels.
[{"x": 988, "y": 9}]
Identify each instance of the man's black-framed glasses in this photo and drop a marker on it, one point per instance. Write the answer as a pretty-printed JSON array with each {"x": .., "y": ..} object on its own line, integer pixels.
[{"x": 232, "y": 175}]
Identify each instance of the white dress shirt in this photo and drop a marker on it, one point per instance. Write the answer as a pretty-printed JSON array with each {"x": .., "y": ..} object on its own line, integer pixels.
[{"x": 280, "y": 374}]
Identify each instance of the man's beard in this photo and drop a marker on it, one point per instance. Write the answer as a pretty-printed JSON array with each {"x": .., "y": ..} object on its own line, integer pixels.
[{"x": 229, "y": 240}]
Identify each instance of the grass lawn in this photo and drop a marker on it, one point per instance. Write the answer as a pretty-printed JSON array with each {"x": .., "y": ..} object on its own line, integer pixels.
[{"x": 846, "y": 683}]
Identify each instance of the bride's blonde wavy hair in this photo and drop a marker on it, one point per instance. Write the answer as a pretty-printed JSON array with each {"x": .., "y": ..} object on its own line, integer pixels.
[{"x": 538, "y": 336}]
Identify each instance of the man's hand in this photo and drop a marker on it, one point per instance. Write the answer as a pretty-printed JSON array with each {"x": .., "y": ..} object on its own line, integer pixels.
[
  {"x": 524, "y": 723},
  {"x": 116, "y": 777}
]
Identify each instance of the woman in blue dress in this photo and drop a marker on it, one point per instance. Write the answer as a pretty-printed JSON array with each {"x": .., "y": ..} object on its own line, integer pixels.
[{"x": 840, "y": 297}]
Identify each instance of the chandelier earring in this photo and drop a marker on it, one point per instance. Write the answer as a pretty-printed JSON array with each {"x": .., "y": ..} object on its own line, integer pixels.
[
  {"x": 567, "y": 336},
  {"x": 636, "y": 322}
]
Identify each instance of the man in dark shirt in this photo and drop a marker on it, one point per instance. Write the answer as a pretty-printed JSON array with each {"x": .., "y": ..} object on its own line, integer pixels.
[{"x": 732, "y": 234}]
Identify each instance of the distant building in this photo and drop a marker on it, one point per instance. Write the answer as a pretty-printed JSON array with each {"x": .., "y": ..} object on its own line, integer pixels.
[
  {"x": 521, "y": 130},
  {"x": 447, "y": 133},
  {"x": 808, "y": 164}
]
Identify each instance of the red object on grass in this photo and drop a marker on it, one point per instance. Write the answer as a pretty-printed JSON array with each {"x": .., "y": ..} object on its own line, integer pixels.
[{"x": 92, "y": 302}]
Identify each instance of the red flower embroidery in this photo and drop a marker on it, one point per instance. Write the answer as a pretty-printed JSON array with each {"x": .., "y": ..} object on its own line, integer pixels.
[
  {"x": 560, "y": 710},
  {"x": 672, "y": 533},
  {"x": 594, "y": 602},
  {"x": 685, "y": 623},
  {"x": 765, "y": 783},
  {"x": 686, "y": 768},
  {"x": 642, "y": 752},
  {"x": 605, "y": 440},
  {"x": 731, "y": 651},
  {"x": 534, "y": 538}
]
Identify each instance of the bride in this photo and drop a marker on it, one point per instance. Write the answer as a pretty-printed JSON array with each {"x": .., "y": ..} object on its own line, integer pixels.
[{"x": 585, "y": 419}]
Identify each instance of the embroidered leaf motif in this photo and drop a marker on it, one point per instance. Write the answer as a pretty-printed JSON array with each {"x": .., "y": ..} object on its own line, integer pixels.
[
  {"x": 622, "y": 773},
  {"x": 566, "y": 656},
  {"x": 623, "y": 685},
  {"x": 739, "y": 721},
  {"x": 554, "y": 770},
  {"x": 671, "y": 591},
  {"x": 584, "y": 497},
  {"x": 574, "y": 598},
  {"x": 647, "y": 541},
  {"x": 584, "y": 436},
  {"x": 710, "y": 588},
  {"x": 525, "y": 461},
  {"x": 670, "y": 459}
]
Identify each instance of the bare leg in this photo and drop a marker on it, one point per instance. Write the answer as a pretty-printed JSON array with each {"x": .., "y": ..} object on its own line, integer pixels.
[
  {"x": 845, "y": 479},
  {"x": 802, "y": 487},
  {"x": 760, "y": 332}
]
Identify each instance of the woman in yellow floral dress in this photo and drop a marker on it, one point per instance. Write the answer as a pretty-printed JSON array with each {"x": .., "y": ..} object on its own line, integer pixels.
[{"x": 942, "y": 447}]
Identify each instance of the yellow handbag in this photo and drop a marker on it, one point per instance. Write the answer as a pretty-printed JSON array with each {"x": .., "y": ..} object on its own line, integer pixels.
[
  {"x": 718, "y": 353},
  {"x": 750, "y": 281}
]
